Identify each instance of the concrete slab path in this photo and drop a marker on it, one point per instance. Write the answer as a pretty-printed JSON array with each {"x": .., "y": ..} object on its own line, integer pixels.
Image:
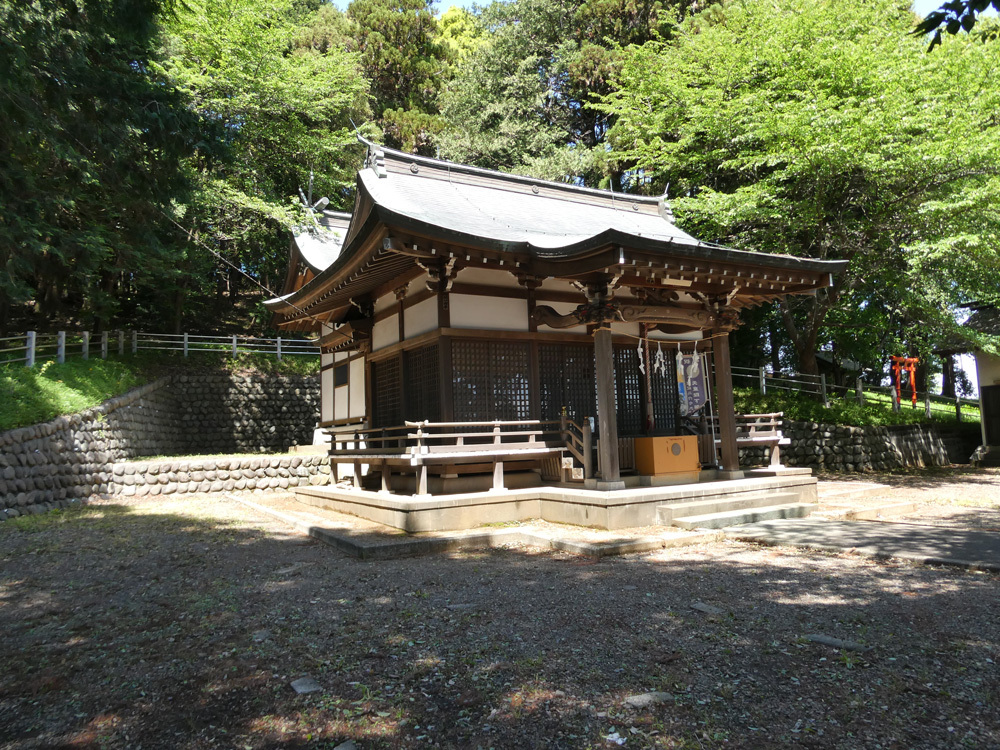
[{"x": 933, "y": 545}]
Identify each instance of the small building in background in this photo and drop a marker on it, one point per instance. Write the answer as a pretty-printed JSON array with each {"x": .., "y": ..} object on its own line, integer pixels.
[{"x": 986, "y": 319}]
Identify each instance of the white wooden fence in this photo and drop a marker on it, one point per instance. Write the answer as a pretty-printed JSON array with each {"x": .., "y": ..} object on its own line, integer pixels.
[
  {"x": 817, "y": 385},
  {"x": 32, "y": 347}
]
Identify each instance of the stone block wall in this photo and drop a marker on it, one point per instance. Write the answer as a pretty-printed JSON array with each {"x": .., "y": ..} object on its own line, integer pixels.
[
  {"x": 840, "y": 448},
  {"x": 246, "y": 414},
  {"x": 71, "y": 458}
]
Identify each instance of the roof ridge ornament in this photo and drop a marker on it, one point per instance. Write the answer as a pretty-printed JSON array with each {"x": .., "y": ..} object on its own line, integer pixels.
[
  {"x": 376, "y": 160},
  {"x": 663, "y": 207}
]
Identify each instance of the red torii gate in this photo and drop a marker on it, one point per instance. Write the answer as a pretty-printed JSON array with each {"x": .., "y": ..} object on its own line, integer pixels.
[{"x": 908, "y": 365}]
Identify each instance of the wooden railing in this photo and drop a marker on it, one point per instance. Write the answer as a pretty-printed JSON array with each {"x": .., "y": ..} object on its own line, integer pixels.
[
  {"x": 415, "y": 445},
  {"x": 759, "y": 430},
  {"x": 426, "y": 438},
  {"x": 430, "y": 442},
  {"x": 579, "y": 441}
]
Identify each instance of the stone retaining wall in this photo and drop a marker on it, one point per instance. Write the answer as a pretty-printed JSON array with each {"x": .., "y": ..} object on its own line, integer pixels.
[
  {"x": 849, "y": 449},
  {"x": 72, "y": 458}
]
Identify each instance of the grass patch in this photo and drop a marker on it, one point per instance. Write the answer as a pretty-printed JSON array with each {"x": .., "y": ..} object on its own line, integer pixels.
[
  {"x": 874, "y": 412},
  {"x": 38, "y": 394}
]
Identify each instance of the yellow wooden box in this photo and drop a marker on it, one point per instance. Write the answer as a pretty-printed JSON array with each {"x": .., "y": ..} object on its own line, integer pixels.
[{"x": 662, "y": 456}]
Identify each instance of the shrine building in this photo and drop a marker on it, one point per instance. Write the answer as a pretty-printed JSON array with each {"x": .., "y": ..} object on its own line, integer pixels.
[{"x": 496, "y": 346}]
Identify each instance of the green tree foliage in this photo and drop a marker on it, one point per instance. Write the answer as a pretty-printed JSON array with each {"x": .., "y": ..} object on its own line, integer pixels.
[
  {"x": 285, "y": 108},
  {"x": 519, "y": 100},
  {"x": 90, "y": 155},
  {"x": 461, "y": 33},
  {"x": 403, "y": 57},
  {"x": 821, "y": 130}
]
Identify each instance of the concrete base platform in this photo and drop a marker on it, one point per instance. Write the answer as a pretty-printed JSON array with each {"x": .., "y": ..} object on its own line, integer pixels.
[{"x": 619, "y": 509}]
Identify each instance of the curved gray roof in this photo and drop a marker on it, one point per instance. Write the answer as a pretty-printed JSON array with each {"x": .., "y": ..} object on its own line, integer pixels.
[
  {"x": 320, "y": 244},
  {"x": 545, "y": 216}
]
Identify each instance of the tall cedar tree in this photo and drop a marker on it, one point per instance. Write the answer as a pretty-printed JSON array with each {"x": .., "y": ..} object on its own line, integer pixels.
[
  {"x": 406, "y": 62},
  {"x": 90, "y": 155}
]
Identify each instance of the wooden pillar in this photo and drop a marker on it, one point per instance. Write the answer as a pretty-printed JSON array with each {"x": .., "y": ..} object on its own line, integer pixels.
[
  {"x": 607, "y": 416},
  {"x": 727, "y": 410}
]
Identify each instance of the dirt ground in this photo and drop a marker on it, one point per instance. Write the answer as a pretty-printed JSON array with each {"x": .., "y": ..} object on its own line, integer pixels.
[{"x": 180, "y": 623}]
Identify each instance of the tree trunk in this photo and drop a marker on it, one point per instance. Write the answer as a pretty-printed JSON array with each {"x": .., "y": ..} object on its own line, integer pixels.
[
  {"x": 179, "y": 310},
  {"x": 774, "y": 346},
  {"x": 948, "y": 375}
]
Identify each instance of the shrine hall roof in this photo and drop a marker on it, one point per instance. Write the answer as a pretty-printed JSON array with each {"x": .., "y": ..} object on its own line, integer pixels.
[
  {"x": 424, "y": 205},
  {"x": 320, "y": 244}
]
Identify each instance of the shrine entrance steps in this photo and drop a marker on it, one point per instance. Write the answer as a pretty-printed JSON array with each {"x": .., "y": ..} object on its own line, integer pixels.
[
  {"x": 757, "y": 497},
  {"x": 720, "y": 512}
]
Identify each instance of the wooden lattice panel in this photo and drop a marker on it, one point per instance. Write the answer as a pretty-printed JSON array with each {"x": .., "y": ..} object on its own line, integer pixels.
[
  {"x": 422, "y": 393},
  {"x": 665, "y": 401},
  {"x": 566, "y": 378},
  {"x": 490, "y": 380},
  {"x": 387, "y": 393},
  {"x": 629, "y": 396}
]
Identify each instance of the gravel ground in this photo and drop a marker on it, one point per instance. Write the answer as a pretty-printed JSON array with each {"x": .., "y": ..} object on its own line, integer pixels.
[{"x": 181, "y": 623}]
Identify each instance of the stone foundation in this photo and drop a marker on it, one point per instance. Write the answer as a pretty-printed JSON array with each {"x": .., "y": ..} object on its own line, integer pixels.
[
  {"x": 839, "y": 448},
  {"x": 72, "y": 458}
]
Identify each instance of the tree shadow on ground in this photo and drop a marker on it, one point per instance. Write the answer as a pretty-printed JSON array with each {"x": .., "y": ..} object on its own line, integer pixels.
[
  {"x": 926, "y": 478},
  {"x": 181, "y": 624}
]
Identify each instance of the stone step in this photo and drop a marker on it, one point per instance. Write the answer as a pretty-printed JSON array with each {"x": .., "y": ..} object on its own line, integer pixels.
[
  {"x": 748, "y": 515},
  {"x": 666, "y": 513}
]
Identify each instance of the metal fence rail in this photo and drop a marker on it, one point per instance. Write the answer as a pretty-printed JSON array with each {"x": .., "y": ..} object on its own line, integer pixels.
[
  {"x": 816, "y": 385},
  {"x": 31, "y": 347}
]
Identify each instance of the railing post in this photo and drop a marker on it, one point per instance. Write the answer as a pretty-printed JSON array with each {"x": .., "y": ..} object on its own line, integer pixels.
[
  {"x": 104, "y": 344},
  {"x": 859, "y": 391},
  {"x": 135, "y": 342},
  {"x": 822, "y": 389},
  {"x": 958, "y": 409},
  {"x": 895, "y": 400},
  {"x": 29, "y": 349},
  {"x": 86, "y": 345},
  {"x": 234, "y": 345},
  {"x": 496, "y": 434},
  {"x": 927, "y": 405},
  {"x": 60, "y": 347},
  {"x": 121, "y": 343},
  {"x": 763, "y": 382},
  {"x": 278, "y": 348},
  {"x": 185, "y": 344},
  {"x": 588, "y": 453}
]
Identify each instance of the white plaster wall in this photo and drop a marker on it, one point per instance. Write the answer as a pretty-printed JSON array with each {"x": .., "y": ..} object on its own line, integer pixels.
[
  {"x": 385, "y": 302},
  {"x": 419, "y": 284},
  {"x": 988, "y": 369},
  {"x": 421, "y": 317},
  {"x": 385, "y": 333},
  {"x": 326, "y": 394},
  {"x": 340, "y": 402},
  {"x": 498, "y": 313},
  {"x": 340, "y": 356},
  {"x": 325, "y": 358},
  {"x": 356, "y": 376},
  {"x": 488, "y": 277}
]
